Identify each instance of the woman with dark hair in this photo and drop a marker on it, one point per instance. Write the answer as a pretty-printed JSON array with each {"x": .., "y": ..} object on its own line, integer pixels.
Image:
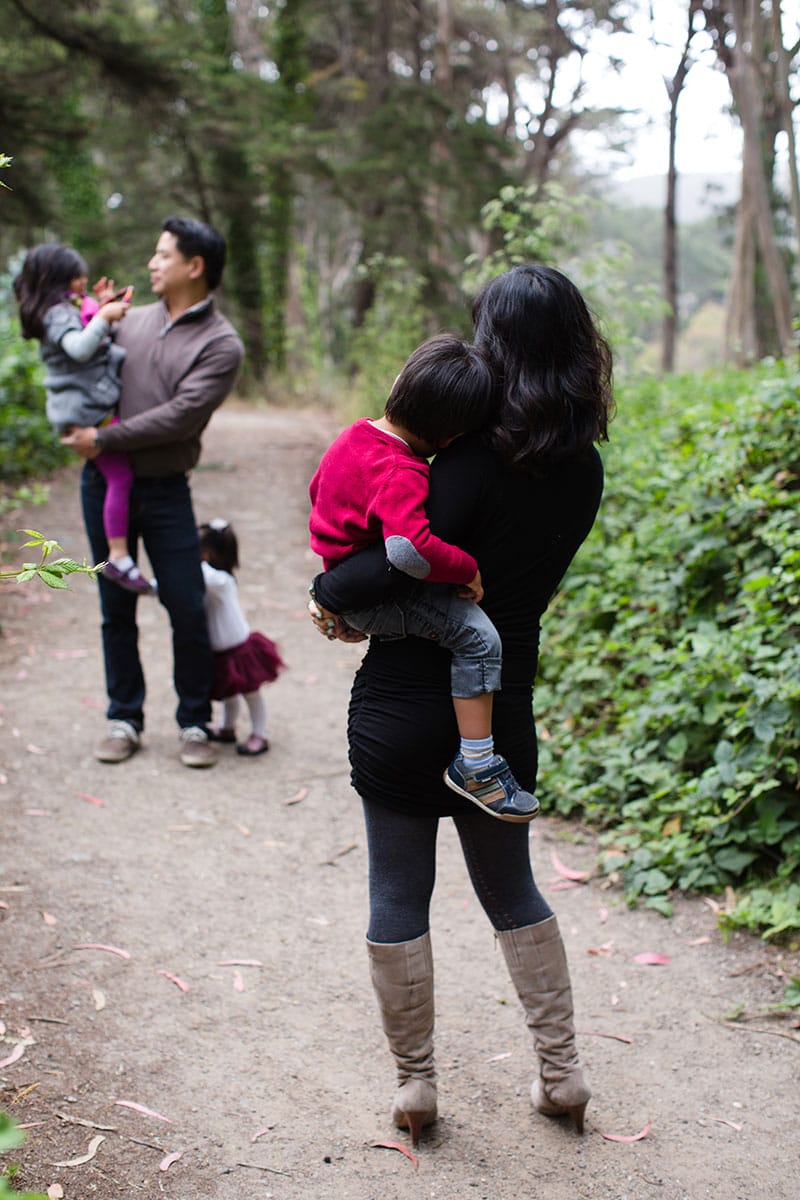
[{"x": 521, "y": 498}]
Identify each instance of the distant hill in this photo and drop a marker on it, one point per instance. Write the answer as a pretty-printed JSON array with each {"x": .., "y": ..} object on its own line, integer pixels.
[{"x": 699, "y": 195}]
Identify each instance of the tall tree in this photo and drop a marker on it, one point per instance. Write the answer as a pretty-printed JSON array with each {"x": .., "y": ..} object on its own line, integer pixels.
[
  {"x": 674, "y": 84},
  {"x": 760, "y": 305}
]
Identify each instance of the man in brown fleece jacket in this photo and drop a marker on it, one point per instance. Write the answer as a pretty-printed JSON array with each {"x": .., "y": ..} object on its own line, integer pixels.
[{"x": 182, "y": 358}]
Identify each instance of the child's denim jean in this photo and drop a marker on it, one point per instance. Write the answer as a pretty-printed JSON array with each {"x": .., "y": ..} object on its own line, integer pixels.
[{"x": 436, "y": 611}]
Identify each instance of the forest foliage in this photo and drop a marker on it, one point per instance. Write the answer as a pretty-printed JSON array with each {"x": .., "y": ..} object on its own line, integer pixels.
[{"x": 345, "y": 148}]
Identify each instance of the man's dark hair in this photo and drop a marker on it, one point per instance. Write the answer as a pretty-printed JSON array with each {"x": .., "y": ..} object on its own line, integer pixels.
[
  {"x": 445, "y": 388},
  {"x": 195, "y": 238}
]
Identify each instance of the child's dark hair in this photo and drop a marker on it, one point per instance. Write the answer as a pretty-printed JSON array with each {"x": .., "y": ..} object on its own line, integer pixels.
[
  {"x": 44, "y": 280},
  {"x": 219, "y": 545},
  {"x": 196, "y": 238},
  {"x": 445, "y": 388}
]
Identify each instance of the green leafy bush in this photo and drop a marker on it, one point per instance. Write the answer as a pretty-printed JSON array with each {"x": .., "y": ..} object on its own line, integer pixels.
[{"x": 669, "y": 696}]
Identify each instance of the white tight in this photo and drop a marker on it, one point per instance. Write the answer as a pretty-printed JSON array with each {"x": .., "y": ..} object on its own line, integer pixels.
[{"x": 257, "y": 708}]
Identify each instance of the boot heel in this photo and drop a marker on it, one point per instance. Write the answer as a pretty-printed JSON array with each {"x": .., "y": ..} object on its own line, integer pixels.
[
  {"x": 415, "y": 1122},
  {"x": 415, "y": 1107},
  {"x": 576, "y": 1111}
]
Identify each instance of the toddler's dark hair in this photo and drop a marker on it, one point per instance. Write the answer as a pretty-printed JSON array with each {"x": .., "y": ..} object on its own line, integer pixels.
[
  {"x": 219, "y": 545},
  {"x": 445, "y": 388},
  {"x": 46, "y": 274}
]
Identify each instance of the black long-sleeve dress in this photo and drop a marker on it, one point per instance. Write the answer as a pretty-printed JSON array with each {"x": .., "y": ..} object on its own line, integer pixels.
[{"x": 524, "y": 531}]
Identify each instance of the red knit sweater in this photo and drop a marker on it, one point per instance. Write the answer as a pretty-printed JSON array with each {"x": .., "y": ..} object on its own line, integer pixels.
[{"x": 369, "y": 486}]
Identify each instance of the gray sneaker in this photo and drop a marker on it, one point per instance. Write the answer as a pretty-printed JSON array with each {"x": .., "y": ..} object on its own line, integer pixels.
[
  {"x": 120, "y": 742},
  {"x": 196, "y": 749}
]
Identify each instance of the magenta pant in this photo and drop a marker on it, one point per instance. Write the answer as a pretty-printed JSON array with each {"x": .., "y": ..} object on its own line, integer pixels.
[{"x": 116, "y": 469}]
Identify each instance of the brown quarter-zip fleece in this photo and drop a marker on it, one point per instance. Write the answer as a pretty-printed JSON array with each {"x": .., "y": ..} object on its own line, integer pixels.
[{"x": 173, "y": 377}]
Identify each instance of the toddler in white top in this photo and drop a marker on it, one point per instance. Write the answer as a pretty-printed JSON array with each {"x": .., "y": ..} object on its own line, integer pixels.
[{"x": 243, "y": 658}]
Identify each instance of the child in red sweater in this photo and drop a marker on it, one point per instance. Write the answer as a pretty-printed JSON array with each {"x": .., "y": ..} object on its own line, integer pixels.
[{"x": 371, "y": 484}]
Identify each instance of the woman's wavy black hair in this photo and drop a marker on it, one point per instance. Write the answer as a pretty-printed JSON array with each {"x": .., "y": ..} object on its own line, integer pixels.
[
  {"x": 44, "y": 280},
  {"x": 552, "y": 364}
]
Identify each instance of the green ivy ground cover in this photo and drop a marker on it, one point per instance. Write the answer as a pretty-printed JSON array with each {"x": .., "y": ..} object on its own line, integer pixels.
[{"x": 669, "y": 694}]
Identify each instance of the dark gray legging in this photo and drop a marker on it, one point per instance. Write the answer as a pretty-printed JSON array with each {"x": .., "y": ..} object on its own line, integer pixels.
[{"x": 402, "y": 871}]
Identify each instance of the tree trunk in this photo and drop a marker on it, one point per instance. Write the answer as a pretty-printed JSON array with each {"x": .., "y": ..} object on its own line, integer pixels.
[
  {"x": 745, "y": 82},
  {"x": 674, "y": 88}
]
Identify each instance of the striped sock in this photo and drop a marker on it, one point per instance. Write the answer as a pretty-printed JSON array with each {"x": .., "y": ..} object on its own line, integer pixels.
[{"x": 477, "y": 752}]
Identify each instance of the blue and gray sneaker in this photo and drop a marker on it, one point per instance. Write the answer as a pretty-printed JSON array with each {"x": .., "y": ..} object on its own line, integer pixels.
[{"x": 493, "y": 788}]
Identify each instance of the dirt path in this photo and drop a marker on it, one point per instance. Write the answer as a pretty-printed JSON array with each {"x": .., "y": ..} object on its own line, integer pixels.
[{"x": 274, "y": 1077}]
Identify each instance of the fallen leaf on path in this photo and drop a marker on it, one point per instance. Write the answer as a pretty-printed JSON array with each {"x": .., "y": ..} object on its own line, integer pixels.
[
  {"x": 722, "y": 1121},
  {"x": 91, "y": 799},
  {"x": 396, "y": 1146},
  {"x": 3, "y": 904},
  {"x": 15, "y": 1055},
  {"x": 563, "y": 885},
  {"x": 99, "y": 999},
  {"x": 55, "y": 1192},
  {"x": 499, "y": 1057},
  {"x": 101, "y": 946},
  {"x": 634, "y": 1137},
  {"x": 238, "y": 982},
  {"x": 617, "y": 1037},
  {"x": 598, "y": 950},
  {"x": 180, "y": 983},
  {"x": 602, "y": 914},
  {"x": 260, "y": 1132},
  {"x": 648, "y": 958},
  {"x": 82, "y": 1121},
  {"x": 140, "y": 1108},
  {"x": 34, "y": 749},
  {"x": 48, "y": 918},
  {"x": 567, "y": 872},
  {"x": 92, "y": 1149},
  {"x": 240, "y": 962},
  {"x": 712, "y": 904},
  {"x": 242, "y": 829},
  {"x": 169, "y": 1159},
  {"x": 297, "y": 797},
  {"x": 701, "y": 941}
]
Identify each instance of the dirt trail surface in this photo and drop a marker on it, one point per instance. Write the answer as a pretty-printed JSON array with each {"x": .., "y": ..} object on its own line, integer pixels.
[{"x": 241, "y": 1012}]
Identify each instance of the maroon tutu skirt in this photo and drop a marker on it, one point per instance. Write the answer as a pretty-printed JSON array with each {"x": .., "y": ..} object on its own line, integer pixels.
[{"x": 244, "y": 668}]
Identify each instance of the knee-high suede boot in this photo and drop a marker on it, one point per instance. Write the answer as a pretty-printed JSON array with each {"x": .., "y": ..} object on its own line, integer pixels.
[
  {"x": 538, "y": 967},
  {"x": 402, "y": 976}
]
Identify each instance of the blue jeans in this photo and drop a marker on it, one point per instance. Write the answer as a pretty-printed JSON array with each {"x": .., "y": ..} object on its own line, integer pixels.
[
  {"x": 161, "y": 515},
  {"x": 436, "y": 611}
]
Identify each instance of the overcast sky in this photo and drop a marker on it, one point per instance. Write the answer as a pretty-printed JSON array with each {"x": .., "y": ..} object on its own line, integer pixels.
[{"x": 709, "y": 140}]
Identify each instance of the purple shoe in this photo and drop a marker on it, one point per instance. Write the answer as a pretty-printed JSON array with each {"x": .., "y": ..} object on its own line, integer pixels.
[{"x": 131, "y": 579}]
